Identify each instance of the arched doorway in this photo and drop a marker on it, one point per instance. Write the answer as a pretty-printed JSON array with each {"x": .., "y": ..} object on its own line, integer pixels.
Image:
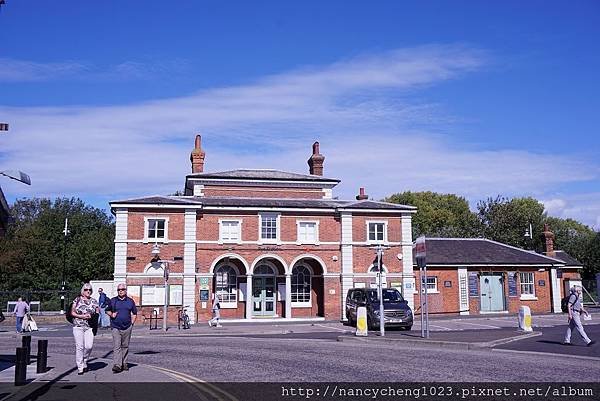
[{"x": 263, "y": 290}]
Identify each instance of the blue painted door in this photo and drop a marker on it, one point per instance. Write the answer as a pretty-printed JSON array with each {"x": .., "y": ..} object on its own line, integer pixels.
[{"x": 492, "y": 293}]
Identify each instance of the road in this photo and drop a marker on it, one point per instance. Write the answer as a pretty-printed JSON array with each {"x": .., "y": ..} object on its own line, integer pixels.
[{"x": 317, "y": 356}]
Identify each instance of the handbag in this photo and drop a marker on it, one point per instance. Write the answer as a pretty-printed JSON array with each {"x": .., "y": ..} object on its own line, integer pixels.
[
  {"x": 68, "y": 314},
  {"x": 93, "y": 322},
  {"x": 32, "y": 324},
  {"x": 25, "y": 323}
]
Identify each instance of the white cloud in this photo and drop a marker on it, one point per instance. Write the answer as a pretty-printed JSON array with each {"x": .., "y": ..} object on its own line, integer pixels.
[{"x": 370, "y": 134}]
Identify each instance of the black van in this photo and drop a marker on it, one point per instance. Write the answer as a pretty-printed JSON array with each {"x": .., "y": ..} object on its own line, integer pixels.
[{"x": 396, "y": 311}]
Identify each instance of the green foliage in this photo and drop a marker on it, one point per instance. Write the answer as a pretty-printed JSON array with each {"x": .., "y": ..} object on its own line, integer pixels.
[
  {"x": 439, "y": 215},
  {"x": 505, "y": 220},
  {"x": 34, "y": 254}
]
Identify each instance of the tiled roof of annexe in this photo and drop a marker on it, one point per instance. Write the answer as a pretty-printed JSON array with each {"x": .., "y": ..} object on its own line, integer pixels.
[{"x": 474, "y": 251}]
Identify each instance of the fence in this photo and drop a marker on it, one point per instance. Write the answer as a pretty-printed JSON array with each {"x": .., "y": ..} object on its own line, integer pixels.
[
  {"x": 590, "y": 292},
  {"x": 39, "y": 300}
]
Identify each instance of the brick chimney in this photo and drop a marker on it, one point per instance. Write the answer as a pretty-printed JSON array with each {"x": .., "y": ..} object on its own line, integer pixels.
[
  {"x": 197, "y": 157},
  {"x": 548, "y": 237},
  {"x": 315, "y": 162},
  {"x": 361, "y": 194}
]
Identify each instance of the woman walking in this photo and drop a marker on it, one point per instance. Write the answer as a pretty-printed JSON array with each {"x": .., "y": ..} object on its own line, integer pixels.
[{"x": 84, "y": 306}]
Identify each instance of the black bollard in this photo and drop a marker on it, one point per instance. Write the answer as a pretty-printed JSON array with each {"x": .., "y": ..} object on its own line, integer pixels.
[
  {"x": 42, "y": 356},
  {"x": 26, "y": 343},
  {"x": 21, "y": 367}
]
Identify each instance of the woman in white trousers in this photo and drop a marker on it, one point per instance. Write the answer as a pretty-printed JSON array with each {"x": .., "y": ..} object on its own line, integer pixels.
[{"x": 84, "y": 306}]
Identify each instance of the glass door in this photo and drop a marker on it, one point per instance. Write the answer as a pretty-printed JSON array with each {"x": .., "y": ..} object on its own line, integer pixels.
[{"x": 263, "y": 296}]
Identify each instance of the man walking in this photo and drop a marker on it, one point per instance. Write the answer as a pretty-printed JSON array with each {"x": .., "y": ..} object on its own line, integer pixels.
[
  {"x": 103, "y": 301},
  {"x": 21, "y": 309},
  {"x": 123, "y": 313},
  {"x": 576, "y": 308}
]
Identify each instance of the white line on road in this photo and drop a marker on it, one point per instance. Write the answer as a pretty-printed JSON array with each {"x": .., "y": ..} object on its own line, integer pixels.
[
  {"x": 328, "y": 327},
  {"x": 482, "y": 325}
]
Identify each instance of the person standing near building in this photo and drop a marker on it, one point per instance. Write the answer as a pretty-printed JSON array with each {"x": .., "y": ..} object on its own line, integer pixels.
[
  {"x": 576, "y": 308},
  {"x": 103, "y": 301},
  {"x": 123, "y": 313},
  {"x": 82, "y": 309},
  {"x": 216, "y": 306},
  {"x": 21, "y": 309}
]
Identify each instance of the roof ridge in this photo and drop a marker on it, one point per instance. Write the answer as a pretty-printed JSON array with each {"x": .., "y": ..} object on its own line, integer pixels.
[{"x": 525, "y": 250}]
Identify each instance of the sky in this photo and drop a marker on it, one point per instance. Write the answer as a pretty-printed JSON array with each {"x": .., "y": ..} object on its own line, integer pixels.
[{"x": 478, "y": 99}]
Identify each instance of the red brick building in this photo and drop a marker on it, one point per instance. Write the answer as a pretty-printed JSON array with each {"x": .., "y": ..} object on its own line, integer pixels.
[
  {"x": 476, "y": 275},
  {"x": 275, "y": 244},
  {"x": 270, "y": 244}
]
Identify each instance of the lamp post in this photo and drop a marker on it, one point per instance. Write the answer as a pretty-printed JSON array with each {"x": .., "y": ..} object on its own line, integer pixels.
[
  {"x": 379, "y": 251},
  {"x": 158, "y": 263},
  {"x": 66, "y": 232}
]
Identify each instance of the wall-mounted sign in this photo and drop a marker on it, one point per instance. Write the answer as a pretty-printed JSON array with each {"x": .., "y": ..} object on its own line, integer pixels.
[
  {"x": 512, "y": 284},
  {"x": 473, "y": 284},
  {"x": 448, "y": 284},
  {"x": 204, "y": 283},
  {"x": 542, "y": 283},
  {"x": 203, "y": 295},
  {"x": 559, "y": 273}
]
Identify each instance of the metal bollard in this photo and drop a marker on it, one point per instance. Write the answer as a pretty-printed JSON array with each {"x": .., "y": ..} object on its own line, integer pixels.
[
  {"x": 26, "y": 343},
  {"x": 20, "y": 367},
  {"x": 42, "y": 356}
]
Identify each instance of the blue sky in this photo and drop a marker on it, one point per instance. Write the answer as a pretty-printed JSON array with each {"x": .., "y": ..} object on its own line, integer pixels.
[{"x": 474, "y": 98}]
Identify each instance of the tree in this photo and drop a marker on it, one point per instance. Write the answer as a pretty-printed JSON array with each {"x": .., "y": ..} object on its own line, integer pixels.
[
  {"x": 506, "y": 220},
  {"x": 34, "y": 254},
  {"x": 439, "y": 215}
]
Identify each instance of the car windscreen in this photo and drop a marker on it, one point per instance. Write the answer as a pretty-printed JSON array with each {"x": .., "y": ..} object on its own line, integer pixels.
[{"x": 389, "y": 295}]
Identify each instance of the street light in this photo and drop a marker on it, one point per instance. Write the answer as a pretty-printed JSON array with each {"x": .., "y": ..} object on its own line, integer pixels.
[
  {"x": 17, "y": 175},
  {"x": 379, "y": 251},
  {"x": 158, "y": 263}
]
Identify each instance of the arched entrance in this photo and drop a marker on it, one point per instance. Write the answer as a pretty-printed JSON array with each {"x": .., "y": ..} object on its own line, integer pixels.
[
  {"x": 307, "y": 292},
  {"x": 263, "y": 289}
]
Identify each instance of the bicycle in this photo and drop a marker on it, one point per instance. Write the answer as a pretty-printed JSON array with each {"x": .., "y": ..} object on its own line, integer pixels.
[{"x": 183, "y": 319}]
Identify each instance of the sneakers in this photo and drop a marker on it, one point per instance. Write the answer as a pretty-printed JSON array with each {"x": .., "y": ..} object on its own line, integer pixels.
[
  {"x": 79, "y": 372},
  {"x": 117, "y": 369},
  {"x": 591, "y": 343},
  {"x": 566, "y": 343},
  {"x": 86, "y": 369},
  {"x": 218, "y": 325},
  {"x": 125, "y": 367},
  {"x": 209, "y": 324}
]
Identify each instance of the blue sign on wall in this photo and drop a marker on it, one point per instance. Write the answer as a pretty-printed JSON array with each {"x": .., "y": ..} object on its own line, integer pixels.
[
  {"x": 473, "y": 284},
  {"x": 512, "y": 284}
]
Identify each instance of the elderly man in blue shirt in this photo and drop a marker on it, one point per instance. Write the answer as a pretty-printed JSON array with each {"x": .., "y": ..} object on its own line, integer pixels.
[{"x": 123, "y": 313}]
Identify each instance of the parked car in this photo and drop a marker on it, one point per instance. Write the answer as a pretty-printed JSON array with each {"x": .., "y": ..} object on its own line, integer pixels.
[{"x": 396, "y": 311}]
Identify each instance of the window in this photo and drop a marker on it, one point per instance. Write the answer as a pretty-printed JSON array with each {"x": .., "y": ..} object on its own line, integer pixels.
[
  {"x": 301, "y": 285},
  {"x": 431, "y": 284},
  {"x": 156, "y": 229},
  {"x": 376, "y": 231},
  {"x": 269, "y": 228},
  {"x": 229, "y": 231},
  {"x": 308, "y": 232},
  {"x": 527, "y": 284},
  {"x": 226, "y": 284}
]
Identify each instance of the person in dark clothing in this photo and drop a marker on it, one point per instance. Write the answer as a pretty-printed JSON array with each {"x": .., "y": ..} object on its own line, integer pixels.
[
  {"x": 103, "y": 300},
  {"x": 123, "y": 313}
]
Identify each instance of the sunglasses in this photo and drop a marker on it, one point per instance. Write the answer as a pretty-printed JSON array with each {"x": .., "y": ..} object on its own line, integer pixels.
[
  {"x": 121, "y": 289},
  {"x": 87, "y": 289}
]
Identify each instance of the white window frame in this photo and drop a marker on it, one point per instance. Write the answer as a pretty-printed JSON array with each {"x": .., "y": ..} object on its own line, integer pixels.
[
  {"x": 227, "y": 304},
  {"x": 277, "y": 239},
  {"x": 147, "y": 228},
  {"x": 385, "y": 230},
  {"x": 304, "y": 304},
  {"x": 299, "y": 239},
  {"x": 432, "y": 285},
  {"x": 221, "y": 231},
  {"x": 523, "y": 283}
]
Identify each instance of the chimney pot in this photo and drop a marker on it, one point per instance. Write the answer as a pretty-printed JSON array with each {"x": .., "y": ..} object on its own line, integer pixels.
[
  {"x": 548, "y": 237},
  {"x": 197, "y": 156},
  {"x": 361, "y": 194},
  {"x": 315, "y": 162}
]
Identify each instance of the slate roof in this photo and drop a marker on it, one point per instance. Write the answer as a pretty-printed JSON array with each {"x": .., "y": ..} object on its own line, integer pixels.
[
  {"x": 568, "y": 259},
  {"x": 4, "y": 213},
  {"x": 258, "y": 174},
  {"x": 480, "y": 251},
  {"x": 263, "y": 202}
]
